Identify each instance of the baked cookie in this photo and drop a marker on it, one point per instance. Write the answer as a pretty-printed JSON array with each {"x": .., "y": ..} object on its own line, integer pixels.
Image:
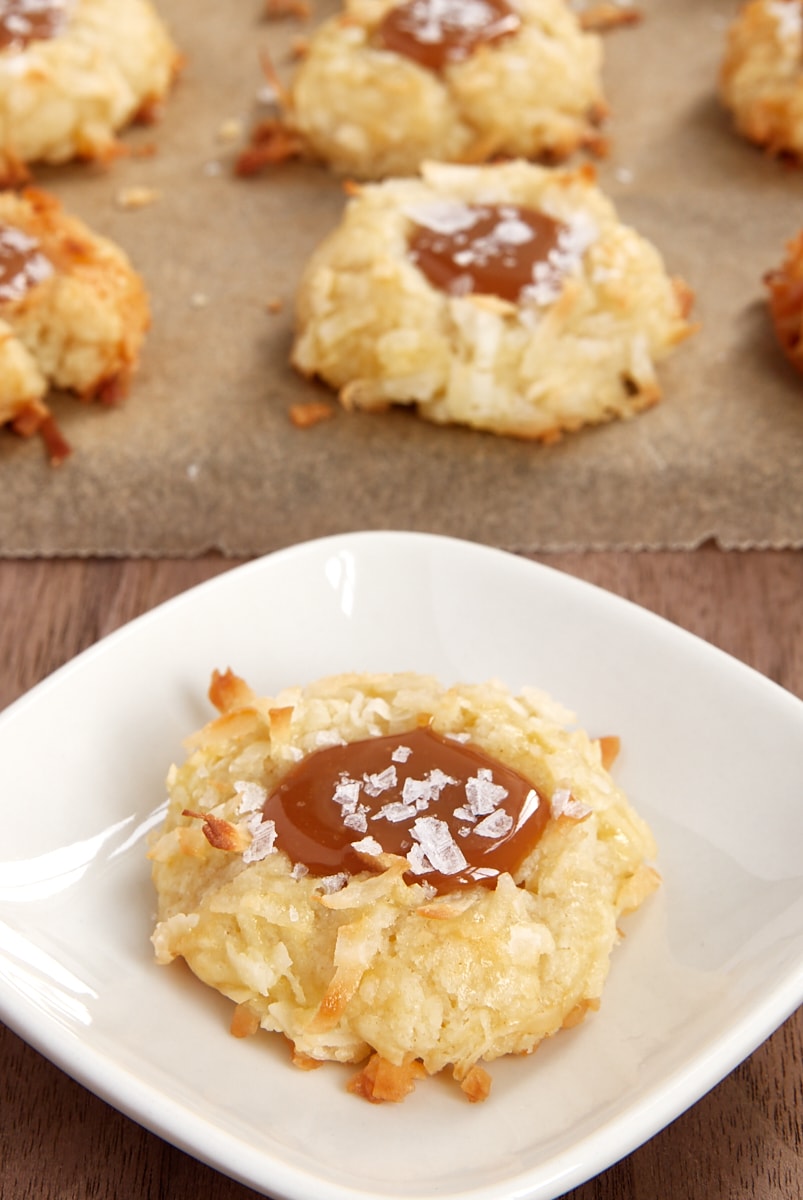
[
  {"x": 785, "y": 284},
  {"x": 73, "y": 73},
  {"x": 395, "y": 873},
  {"x": 384, "y": 86},
  {"x": 73, "y": 313},
  {"x": 509, "y": 298},
  {"x": 761, "y": 79}
]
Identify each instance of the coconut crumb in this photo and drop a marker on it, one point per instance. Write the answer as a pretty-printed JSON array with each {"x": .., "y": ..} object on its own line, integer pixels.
[
  {"x": 230, "y": 130},
  {"x": 476, "y": 1084},
  {"x": 136, "y": 197},
  {"x": 307, "y": 413},
  {"x": 380, "y": 1081},
  {"x": 271, "y": 143},
  {"x": 600, "y": 17},
  {"x": 276, "y": 10},
  {"x": 244, "y": 1021}
]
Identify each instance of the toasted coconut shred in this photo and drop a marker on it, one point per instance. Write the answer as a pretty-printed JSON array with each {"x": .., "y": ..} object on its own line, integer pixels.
[{"x": 411, "y": 959}]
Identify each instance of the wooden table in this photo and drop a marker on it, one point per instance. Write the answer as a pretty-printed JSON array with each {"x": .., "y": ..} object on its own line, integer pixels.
[{"x": 744, "y": 1139}]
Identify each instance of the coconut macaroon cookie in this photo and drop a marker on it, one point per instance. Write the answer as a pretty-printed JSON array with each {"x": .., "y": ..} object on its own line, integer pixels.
[
  {"x": 509, "y": 298},
  {"x": 785, "y": 287},
  {"x": 384, "y": 86},
  {"x": 761, "y": 79},
  {"x": 398, "y": 874},
  {"x": 73, "y": 313},
  {"x": 75, "y": 72}
]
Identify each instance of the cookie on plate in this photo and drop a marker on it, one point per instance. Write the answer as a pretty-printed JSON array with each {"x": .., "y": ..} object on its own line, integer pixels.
[
  {"x": 395, "y": 873},
  {"x": 505, "y": 297},
  {"x": 384, "y": 86},
  {"x": 761, "y": 79},
  {"x": 785, "y": 285},
  {"x": 75, "y": 72},
  {"x": 73, "y": 313}
]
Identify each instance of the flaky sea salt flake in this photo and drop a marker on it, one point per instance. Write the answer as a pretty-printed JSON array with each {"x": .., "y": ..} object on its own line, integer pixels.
[
  {"x": 380, "y": 782},
  {"x": 333, "y": 883},
  {"x": 495, "y": 825},
  {"x": 439, "y": 846},
  {"x": 563, "y": 804},
  {"x": 483, "y": 794},
  {"x": 252, "y": 796},
  {"x": 396, "y": 811},
  {"x": 367, "y": 845},
  {"x": 262, "y": 842}
]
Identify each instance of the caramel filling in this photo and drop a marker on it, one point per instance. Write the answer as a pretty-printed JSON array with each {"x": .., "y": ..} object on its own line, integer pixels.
[
  {"x": 24, "y": 21},
  {"x": 22, "y": 263},
  {"x": 435, "y": 33},
  {"x": 459, "y": 816},
  {"x": 493, "y": 249}
]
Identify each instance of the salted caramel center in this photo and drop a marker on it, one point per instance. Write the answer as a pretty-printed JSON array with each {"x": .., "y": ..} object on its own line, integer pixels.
[
  {"x": 25, "y": 21},
  {"x": 22, "y": 263},
  {"x": 435, "y": 33},
  {"x": 495, "y": 249},
  {"x": 459, "y": 816}
]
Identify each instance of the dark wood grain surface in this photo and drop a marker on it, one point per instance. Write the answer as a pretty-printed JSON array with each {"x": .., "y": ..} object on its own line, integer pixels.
[{"x": 742, "y": 1140}]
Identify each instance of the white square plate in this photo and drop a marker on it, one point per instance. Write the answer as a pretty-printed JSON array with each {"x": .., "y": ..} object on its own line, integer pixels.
[{"x": 712, "y": 757}]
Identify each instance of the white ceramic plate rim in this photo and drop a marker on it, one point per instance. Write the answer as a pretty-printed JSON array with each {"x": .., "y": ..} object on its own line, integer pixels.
[{"x": 106, "y": 1072}]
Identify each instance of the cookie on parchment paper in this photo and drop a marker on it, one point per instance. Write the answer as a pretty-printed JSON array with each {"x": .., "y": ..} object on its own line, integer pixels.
[
  {"x": 761, "y": 79},
  {"x": 75, "y": 72},
  {"x": 384, "y": 86},
  {"x": 785, "y": 286},
  {"x": 506, "y": 297},
  {"x": 73, "y": 313}
]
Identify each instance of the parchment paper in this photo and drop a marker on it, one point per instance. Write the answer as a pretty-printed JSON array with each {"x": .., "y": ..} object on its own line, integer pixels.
[{"x": 203, "y": 456}]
